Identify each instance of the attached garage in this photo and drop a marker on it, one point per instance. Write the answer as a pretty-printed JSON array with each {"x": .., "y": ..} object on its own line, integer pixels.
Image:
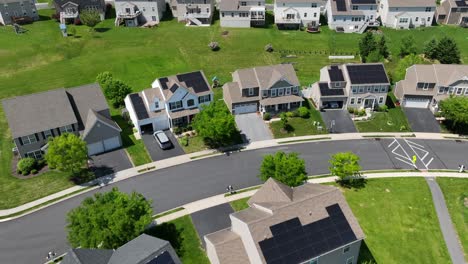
[
  {"x": 416, "y": 102},
  {"x": 101, "y": 133},
  {"x": 95, "y": 148},
  {"x": 245, "y": 108}
]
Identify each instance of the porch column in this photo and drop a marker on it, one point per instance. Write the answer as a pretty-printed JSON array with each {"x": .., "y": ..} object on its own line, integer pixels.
[
  {"x": 373, "y": 103},
  {"x": 289, "y": 106},
  {"x": 276, "y": 108}
]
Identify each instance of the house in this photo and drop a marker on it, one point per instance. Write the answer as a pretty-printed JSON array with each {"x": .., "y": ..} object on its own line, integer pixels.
[
  {"x": 81, "y": 110},
  {"x": 69, "y": 10},
  {"x": 352, "y": 16},
  {"x": 193, "y": 12},
  {"x": 263, "y": 89},
  {"x": 404, "y": 14},
  {"x": 351, "y": 86},
  {"x": 144, "y": 249},
  {"x": 139, "y": 12},
  {"x": 453, "y": 12},
  {"x": 311, "y": 223},
  {"x": 242, "y": 13},
  {"x": 17, "y": 11},
  {"x": 425, "y": 86},
  {"x": 171, "y": 102},
  {"x": 293, "y": 14}
]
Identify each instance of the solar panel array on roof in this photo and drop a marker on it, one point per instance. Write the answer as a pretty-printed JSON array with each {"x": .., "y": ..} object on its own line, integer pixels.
[
  {"x": 461, "y": 3},
  {"x": 367, "y": 74},
  {"x": 139, "y": 106},
  {"x": 325, "y": 90},
  {"x": 164, "y": 258},
  {"x": 295, "y": 243},
  {"x": 363, "y": 2},
  {"x": 174, "y": 88},
  {"x": 336, "y": 75},
  {"x": 340, "y": 5},
  {"x": 195, "y": 80},
  {"x": 164, "y": 82}
]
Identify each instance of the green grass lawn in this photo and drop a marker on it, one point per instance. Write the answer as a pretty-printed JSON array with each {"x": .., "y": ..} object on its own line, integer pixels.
[
  {"x": 299, "y": 126},
  {"x": 392, "y": 121},
  {"x": 195, "y": 144},
  {"x": 240, "y": 204},
  {"x": 456, "y": 192}
]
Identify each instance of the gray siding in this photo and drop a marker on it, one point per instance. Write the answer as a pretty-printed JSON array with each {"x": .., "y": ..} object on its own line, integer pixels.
[
  {"x": 245, "y": 92},
  {"x": 100, "y": 132},
  {"x": 338, "y": 256},
  {"x": 18, "y": 9}
]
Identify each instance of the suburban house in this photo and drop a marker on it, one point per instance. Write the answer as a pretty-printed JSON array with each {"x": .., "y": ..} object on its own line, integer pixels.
[
  {"x": 69, "y": 10},
  {"x": 404, "y": 14},
  {"x": 193, "y": 12},
  {"x": 171, "y": 102},
  {"x": 309, "y": 224},
  {"x": 263, "y": 89},
  {"x": 352, "y": 16},
  {"x": 453, "y": 12},
  {"x": 293, "y": 14},
  {"x": 351, "y": 86},
  {"x": 17, "y": 11},
  {"x": 144, "y": 249},
  {"x": 425, "y": 86},
  {"x": 242, "y": 13},
  {"x": 139, "y": 12},
  {"x": 81, "y": 110}
]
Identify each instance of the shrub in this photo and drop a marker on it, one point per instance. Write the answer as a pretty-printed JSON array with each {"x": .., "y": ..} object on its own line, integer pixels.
[
  {"x": 402, "y": 128},
  {"x": 34, "y": 171},
  {"x": 303, "y": 112},
  {"x": 356, "y": 111},
  {"x": 266, "y": 116},
  {"x": 177, "y": 130},
  {"x": 383, "y": 108},
  {"x": 290, "y": 114},
  {"x": 184, "y": 141},
  {"x": 362, "y": 112},
  {"x": 40, "y": 163},
  {"x": 351, "y": 110},
  {"x": 26, "y": 165}
]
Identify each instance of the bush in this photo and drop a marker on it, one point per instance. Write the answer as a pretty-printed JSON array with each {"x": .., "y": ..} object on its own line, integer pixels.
[
  {"x": 177, "y": 130},
  {"x": 351, "y": 110},
  {"x": 26, "y": 165},
  {"x": 383, "y": 108},
  {"x": 356, "y": 111},
  {"x": 41, "y": 163},
  {"x": 34, "y": 171},
  {"x": 266, "y": 116},
  {"x": 303, "y": 112},
  {"x": 362, "y": 112},
  {"x": 290, "y": 114},
  {"x": 402, "y": 128},
  {"x": 184, "y": 141}
]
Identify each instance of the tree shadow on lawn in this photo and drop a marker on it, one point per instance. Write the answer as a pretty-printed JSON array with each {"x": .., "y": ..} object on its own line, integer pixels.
[
  {"x": 365, "y": 255},
  {"x": 101, "y": 30},
  {"x": 169, "y": 232},
  {"x": 353, "y": 184},
  {"x": 127, "y": 130}
]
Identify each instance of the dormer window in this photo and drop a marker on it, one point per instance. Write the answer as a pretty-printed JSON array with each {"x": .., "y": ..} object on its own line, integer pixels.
[
  {"x": 336, "y": 84},
  {"x": 156, "y": 105}
]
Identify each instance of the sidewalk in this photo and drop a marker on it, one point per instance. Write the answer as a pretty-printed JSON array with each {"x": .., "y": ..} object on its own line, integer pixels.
[{"x": 162, "y": 164}]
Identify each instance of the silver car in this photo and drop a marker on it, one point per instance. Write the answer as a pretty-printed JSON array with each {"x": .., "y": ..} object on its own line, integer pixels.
[{"x": 162, "y": 139}]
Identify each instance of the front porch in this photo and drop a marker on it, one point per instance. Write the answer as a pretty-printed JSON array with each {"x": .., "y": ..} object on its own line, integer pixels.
[
  {"x": 281, "y": 107},
  {"x": 181, "y": 121}
]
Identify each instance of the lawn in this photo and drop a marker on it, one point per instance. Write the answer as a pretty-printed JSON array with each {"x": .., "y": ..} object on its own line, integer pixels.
[
  {"x": 392, "y": 121},
  {"x": 184, "y": 239},
  {"x": 195, "y": 144},
  {"x": 240, "y": 204},
  {"x": 456, "y": 197},
  {"x": 299, "y": 126}
]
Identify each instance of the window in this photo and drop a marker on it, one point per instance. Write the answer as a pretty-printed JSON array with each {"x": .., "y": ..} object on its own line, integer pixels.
[
  {"x": 381, "y": 98},
  {"x": 305, "y": 14},
  {"x": 346, "y": 249},
  {"x": 376, "y": 89},
  {"x": 466, "y": 91},
  {"x": 273, "y": 93},
  {"x": 295, "y": 90},
  {"x": 243, "y": 3},
  {"x": 280, "y": 92},
  {"x": 336, "y": 84},
  {"x": 28, "y": 139},
  {"x": 428, "y": 9},
  {"x": 355, "y": 7},
  {"x": 265, "y": 93},
  {"x": 451, "y": 90},
  {"x": 350, "y": 260},
  {"x": 417, "y": 18},
  {"x": 383, "y": 89},
  {"x": 354, "y": 90},
  {"x": 251, "y": 91},
  {"x": 352, "y": 100},
  {"x": 153, "y": 9},
  {"x": 190, "y": 102},
  {"x": 66, "y": 129},
  {"x": 204, "y": 99},
  {"x": 441, "y": 90},
  {"x": 288, "y": 91},
  {"x": 175, "y": 105},
  {"x": 36, "y": 154},
  {"x": 429, "y": 19},
  {"x": 313, "y": 5},
  {"x": 315, "y": 14},
  {"x": 232, "y": 14},
  {"x": 459, "y": 91},
  {"x": 369, "y": 89},
  {"x": 222, "y": 14},
  {"x": 48, "y": 133},
  {"x": 403, "y": 20},
  {"x": 359, "y": 100},
  {"x": 361, "y": 89}
]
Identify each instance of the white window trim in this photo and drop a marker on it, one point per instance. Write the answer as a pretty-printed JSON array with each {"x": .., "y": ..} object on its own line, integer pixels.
[
  {"x": 264, "y": 93},
  {"x": 346, "y": 249},
  {"x": 251, "y": 91},
  {"x": 288, "y": 91},
  {"x": 352, "y": 100},
  {"x": 359, "y": 100},
  {"x": 466, "y": 91},
  {"x": 383, "y": 89},
  {"x": 361, "y": 89},
  {"x": 34, "y": 154},
  {"x": 48, "y": 133},
  {"x": 350, "y": 259},
  {"x": 459, "y": 89},
  {"x": 66, "y": 129},
  {"x": 281, "y": 92},
  {"x": 27, "y": 139},
  {"x": 381, "y": 98},
  {"x": 273, "y": 93}
]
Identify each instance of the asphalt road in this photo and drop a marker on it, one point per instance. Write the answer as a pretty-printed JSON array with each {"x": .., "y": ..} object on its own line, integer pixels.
[{"x": 29, "y": 238}]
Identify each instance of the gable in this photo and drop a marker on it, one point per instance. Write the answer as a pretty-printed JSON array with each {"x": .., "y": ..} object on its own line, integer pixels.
[
  {"x": 178, "y": 94},
  {"x": 281, "y": 83},
  {"x": 100, "y": 131},
  {"x": 69, "y": 4}
]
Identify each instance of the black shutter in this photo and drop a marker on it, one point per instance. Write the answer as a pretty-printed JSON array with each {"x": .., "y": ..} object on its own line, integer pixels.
[
  {"x": 52, "y": 132},
  {"x": 20, "y": 141},
  {"x": 37, "y": 136},
  {"x": 43, "y": 135},
  {"x": 73, "y": 127},
  {"x": 58, "y": 131}
]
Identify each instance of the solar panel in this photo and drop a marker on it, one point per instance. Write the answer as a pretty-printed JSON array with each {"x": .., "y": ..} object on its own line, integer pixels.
[
  {"x": 139, "y": 106},
  {"x": 363, "y": 2},
  {"x": 336, "y": 74},
  {"x": 327, "y": 91},
  {"x": 164, "y": 82},
  {"x": 461, "y": 3},
  {"x": 194, "y": 80},
  {"x": 340, "y": 5},
  {"x": 295, "y": 243},
  {"x": 367, "y": 74}
]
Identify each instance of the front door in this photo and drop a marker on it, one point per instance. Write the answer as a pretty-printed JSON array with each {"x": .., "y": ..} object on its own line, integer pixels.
[{"x": 368, "y": 103}]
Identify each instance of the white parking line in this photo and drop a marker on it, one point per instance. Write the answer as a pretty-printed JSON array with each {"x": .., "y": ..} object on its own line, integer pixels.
[{"x": 414, "y": 143}]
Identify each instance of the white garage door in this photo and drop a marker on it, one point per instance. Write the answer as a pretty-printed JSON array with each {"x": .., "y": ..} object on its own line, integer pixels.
[
  {"x": 416, "y": 102},
  {"x": 95, "y": 148},
  {"x": 111, "y": 143},
  {"x": 161, "y": 124},
  {"x": 245, "y": 108}
]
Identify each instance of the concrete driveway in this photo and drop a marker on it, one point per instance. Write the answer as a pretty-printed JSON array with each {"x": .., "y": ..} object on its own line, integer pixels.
[
  {"x": 422, "y": 120},
  {"x": 212, "y": 219},
  {"x": 110, "y": 162},
  {"x": 156, "y": 153},
  {"x": 252, "y": 127},
  {"x": 341, "y": 119}
]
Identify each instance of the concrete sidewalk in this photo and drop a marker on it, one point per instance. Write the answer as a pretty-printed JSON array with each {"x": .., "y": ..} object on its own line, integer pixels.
[{"x": 162, "y": 164}]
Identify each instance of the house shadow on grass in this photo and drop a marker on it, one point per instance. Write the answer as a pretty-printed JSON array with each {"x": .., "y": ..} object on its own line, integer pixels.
[
  {"x": 365, "y": 255},
  {"x": 127, "y": 130},
  {"x": 169, "y": 232}
]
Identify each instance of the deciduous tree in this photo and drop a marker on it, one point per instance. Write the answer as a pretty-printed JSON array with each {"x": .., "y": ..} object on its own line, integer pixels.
[
  {"x": 286, "y": 168},
  {"x": 447, "y": 51},
  {"x": 403, "y": 64},
  {"x": 345, "y": 165},
  {"x": 67, "y": 153},
  {"x": 115, "y": 90},
  {"x": 408, "y": 46},
  {"x": 90, "y": 17},
  {"x": 383, "y": 48},
  {"x": 367, "y": 45},
  {"x": 455, "y": 110}
]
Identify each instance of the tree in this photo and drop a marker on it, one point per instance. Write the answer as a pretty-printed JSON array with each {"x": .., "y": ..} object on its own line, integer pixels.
[
  {"x": 67, "y": 153},
  {"x": 215, "y": 124},
  {"x": 382, "y": 47},
  {"x": 408, "y": 46},
  {"x": 104, "y": 78},
  {"x": 455, "y": 111},
  {"x": 375, "y": 56},
  {"x": 284, "y": 121},
  {"x": 447, "y": 51},
  {"x": 367, "y": 45},
  {"x": 403, "y": 64},
  {"x": 108, "y": 220},
  {"x": 345, "y": 165},
  {"x": 286, "y": 168},
  {"x": 430, "y": 49},
  {"x": 90, "y": 17},
  {"x": 115, "y": 90}
]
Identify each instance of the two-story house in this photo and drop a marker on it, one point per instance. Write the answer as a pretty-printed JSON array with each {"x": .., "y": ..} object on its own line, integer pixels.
[
  {"x": 83, "y": 111},
  {"x": 139, "y": 12},
  {"x": 171, "y": 102},
  {"x": 292, "y": 14},
  {"x": 193, "y": 12},
  {"x": 351, "y": 85},
  {"x": 453, "y": 12},
  {"x": 352, "y": 16},
  {"x": 69, "y": 10},
  {"x": 402, "y": 14},
  {"x": 425, "y": 86},
  {"x": 242, "y": 13},
  {"x": 263, "y": 89},
  {"x": 311, "y": 224},
  {"x": 16, "y": 11}
]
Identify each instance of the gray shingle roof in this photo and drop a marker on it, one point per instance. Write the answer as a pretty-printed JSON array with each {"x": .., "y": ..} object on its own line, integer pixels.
[
  {"x": 87, "y": 256},
  {"x": 94, "y": 117},
  {"x": 137, "y": 250}
]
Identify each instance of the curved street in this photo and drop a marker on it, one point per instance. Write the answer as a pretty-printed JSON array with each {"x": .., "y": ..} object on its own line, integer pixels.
[{"x": 29, "y": 238}]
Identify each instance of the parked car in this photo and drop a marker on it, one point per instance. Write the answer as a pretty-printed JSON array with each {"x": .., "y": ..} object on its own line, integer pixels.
[
  {"x": 334, "y": 105},
  {"x": 162, "y": 139}
]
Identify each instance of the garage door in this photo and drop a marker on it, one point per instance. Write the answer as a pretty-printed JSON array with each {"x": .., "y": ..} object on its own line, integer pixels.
[
  {"x": 245, "y": 108},
  {"x": 416, "y": 102},
  {"x": 95, "y": 148},
  {"x": 111, "y": 143},
  {"x": 162, "y": 124}
]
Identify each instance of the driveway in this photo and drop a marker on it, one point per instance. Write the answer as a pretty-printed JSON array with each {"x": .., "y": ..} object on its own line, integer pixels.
[
  {"x": 252, "y": 127},
  {"x": 421, "y": 120},
  {"x": 212, "y": 219},
  {"x": 110, "y": 162},
  {"x": 341, "y": 120},
  {"x": 156, "y": 153}
]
